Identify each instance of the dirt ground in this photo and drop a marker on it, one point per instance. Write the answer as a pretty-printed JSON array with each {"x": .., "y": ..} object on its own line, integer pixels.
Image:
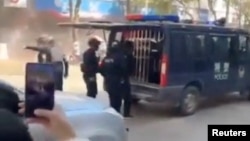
[
  {"x": 15, "y": 67},
  {"x": 13, "y": 72}
]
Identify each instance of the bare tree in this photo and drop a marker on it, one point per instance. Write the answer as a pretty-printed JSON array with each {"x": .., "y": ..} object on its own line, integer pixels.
[
  {"x": 211, "y": 4},
  {"x": 127, "y": 6},
  {"x": 184, "y": 4},
  {"x": 71, "y": 9},
  {"x": 242, "y": 6},
  {"x": 74, "y": 15},
  {"x": 199, "y": 4},
  {"x": 77, "y": 10},
  {"x": 241, "y": 12},
  {"x": 227, "y": 9}
]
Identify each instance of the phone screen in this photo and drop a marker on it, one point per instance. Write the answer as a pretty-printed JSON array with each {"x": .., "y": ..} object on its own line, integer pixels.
[{"x": 39, "y": 87}]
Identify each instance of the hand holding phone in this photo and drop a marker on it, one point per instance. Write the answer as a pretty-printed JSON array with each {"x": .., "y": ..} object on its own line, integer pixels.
[{"x": 39, "y": 87}]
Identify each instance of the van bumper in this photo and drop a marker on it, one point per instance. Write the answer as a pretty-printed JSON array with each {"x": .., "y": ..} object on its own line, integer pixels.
[{"x": 169, "y": 94}]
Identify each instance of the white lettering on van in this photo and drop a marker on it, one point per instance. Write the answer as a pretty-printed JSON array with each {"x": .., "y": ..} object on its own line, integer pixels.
[{"x": 221, "y": 70}]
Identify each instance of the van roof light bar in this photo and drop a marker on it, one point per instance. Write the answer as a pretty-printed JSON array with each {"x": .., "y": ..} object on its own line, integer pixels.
[{"x": 170, "y": 18}]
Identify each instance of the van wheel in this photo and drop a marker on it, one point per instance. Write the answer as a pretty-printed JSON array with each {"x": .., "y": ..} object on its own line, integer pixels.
[
  {"x": 245, "y": 93},
  {"x": 189, "y": 101},
  {"x": 135, "y": 101}
]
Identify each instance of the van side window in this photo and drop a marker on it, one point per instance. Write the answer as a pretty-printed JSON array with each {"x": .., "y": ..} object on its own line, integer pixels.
[
  {"x": 196, "y": 46},
  {"x": 243, "y": 47},
  {"x": 248, "y": 44},
  {"x": 221, "y": 46},
  {"x": 243, "y": 44},
  {"x": 118, "y": 36},
  {"x": 248, "y": 47},
  {"x": 178, "y": 46}
]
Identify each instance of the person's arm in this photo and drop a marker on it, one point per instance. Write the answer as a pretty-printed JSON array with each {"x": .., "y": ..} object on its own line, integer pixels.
[
  {"x": 101, "y": 67},
  {"x": 90, "y": 62},
  {"x": 39, "y": 49},
  {"x": 82, "y": 68},
  {"x": 79, "y": 139},
  {"x": 66, "y": 67},
  {"x": 132, "y": 65},
  {"x": 95, "y": 62},
  {"x": 122, "y": 63}
]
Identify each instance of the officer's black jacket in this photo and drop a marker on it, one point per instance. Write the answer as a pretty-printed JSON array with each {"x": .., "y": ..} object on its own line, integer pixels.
[
  {"x": 114, "y": 65},
  {"x": 90, "y": 62},
  {"x": 130, "y": 61}
]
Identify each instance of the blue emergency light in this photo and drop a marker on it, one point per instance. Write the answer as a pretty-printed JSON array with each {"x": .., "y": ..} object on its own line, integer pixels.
[{"x": 170, "y": 18}]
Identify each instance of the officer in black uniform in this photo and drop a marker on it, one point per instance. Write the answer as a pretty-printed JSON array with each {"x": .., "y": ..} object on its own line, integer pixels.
[
  {"x": 126, "y": 86},
  {"x": 48, "y": 53},
  {"x": 113, "y": 68},
  {"x": 59, "y": 61},
  {"x": 43, "y": 56},
  {"x": 89, "y": 66}
]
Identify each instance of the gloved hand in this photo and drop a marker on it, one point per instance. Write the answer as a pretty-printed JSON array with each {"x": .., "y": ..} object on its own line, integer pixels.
[{"x": 65, "y": 75}]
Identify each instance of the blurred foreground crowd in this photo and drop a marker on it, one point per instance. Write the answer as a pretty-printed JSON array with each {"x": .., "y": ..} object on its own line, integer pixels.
[{"x": 46, "y": 126}]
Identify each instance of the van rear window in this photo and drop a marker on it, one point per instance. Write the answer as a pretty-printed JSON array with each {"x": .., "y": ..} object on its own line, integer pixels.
[
  {"x": 221, "y": 46},
  {"x": 147, "y": 52}
]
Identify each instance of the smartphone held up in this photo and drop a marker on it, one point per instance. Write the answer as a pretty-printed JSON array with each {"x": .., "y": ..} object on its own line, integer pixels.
[{"x": 39, "y": 87}]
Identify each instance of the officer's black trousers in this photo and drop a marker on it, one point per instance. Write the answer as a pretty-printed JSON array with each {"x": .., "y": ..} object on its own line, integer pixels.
[
  {"x": 126, "y": 89},
  {"x": 91, "y": 85},
  {"x": 59, "y": 76},
  {"x": 113, "y": 86},
  {"x": 59, "y": 81}
]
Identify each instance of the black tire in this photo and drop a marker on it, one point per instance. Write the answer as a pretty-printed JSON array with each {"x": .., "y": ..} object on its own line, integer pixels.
[
  {"x": 135, "y": 101},
  {"x": 245, "y": 93},
  {"x": 189, "y": 101}
]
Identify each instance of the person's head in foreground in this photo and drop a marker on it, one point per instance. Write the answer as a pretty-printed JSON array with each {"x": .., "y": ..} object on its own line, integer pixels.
[{"x": 12, "y": 128}]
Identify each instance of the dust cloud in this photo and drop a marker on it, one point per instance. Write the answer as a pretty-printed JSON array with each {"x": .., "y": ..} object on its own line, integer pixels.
[{"x": 21, "y": 27}]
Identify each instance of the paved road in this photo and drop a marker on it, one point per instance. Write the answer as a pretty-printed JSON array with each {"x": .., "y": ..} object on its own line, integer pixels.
[{"x": 153, "y": 122}]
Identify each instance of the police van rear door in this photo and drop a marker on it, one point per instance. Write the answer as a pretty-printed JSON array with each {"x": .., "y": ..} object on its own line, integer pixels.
[{"x": 148, "y": 48}]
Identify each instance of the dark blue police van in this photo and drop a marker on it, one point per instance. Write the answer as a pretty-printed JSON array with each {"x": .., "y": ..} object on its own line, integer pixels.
[{"x": 178, "y": 62}]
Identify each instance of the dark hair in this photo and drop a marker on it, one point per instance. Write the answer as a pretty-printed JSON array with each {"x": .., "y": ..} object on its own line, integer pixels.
[
  {"x": 9, "y": 100},
  {"x": 12, "y": 127},
  {"x": 92, "y": 41}
]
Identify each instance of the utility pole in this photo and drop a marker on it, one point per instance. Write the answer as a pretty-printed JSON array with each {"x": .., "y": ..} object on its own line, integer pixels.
[
  {"x": 71, "y": 15},
  {"x": 128, "y": 5},
  {"x": 240, "y": 12},
  {"x": 147, "y": 6},
  {"x": 74, "y": 8}
]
